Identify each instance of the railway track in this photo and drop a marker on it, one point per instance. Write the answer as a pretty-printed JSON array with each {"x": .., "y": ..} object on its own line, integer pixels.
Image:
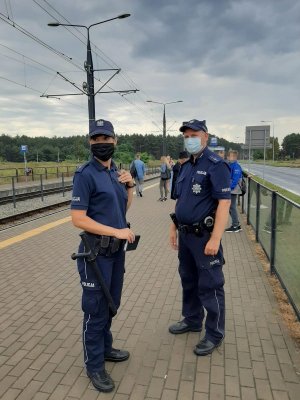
[
  {"x": 4, "y": 221},
  {"x": 31, "y": 213}
]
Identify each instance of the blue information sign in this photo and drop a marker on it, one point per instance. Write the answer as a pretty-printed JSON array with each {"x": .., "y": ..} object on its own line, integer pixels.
[
  {"x": 214, "y": 141},
  {"x": 24, "y": 148}
]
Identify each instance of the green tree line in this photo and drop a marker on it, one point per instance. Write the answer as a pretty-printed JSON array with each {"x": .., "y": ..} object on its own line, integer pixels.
[{"x": 76, "y": 148}]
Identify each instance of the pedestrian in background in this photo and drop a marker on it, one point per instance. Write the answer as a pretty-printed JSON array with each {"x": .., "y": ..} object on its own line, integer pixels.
[
  {"x": 169, "y": 183},
  {"x": 165, "y": 175},
  {"x": 235, "y": 186},
  {"x": 221, "y": 152},
  {"x": 139, "y": 166},
  {"x": 182, "y": 158}
]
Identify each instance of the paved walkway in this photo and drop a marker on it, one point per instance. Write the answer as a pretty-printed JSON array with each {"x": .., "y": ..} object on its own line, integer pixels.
[{"x": 40, "y": 321}]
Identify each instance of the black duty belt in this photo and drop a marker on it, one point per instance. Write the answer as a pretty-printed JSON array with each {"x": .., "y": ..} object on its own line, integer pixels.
[
  {"x": 206, "y": 225},
  {"x": 108, "y": 245}
]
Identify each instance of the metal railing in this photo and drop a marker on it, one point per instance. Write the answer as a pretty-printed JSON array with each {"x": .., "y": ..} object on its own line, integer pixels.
[
  {"x": 46, "y": 183},
  {"x": 33, "y": 174},
  {"x": 276, "y": 220}
]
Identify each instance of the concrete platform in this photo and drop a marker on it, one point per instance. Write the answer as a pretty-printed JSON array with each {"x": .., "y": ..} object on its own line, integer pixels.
[
  {"x": 40, "y": 320},
  {"x": 33, "y": 186}
]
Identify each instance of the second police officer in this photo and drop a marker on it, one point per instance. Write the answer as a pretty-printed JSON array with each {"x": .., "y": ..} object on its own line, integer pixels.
[
  {"x": 201, "y": 214},
  {"x": 101, "y": 197}
]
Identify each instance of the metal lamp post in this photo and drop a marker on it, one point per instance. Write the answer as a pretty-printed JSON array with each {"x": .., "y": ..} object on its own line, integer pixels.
[
  {"x": 164, "y": 122},
  {"x": 273, "y": 147},
  {"x": 88, "y": 65},
  {"x": 249, "y": 155}
]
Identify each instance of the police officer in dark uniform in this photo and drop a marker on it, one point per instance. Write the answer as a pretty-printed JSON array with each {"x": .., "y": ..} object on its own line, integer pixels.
[
  {"x": 101, "y": 197},
  {"x": 201, "y": 214}
]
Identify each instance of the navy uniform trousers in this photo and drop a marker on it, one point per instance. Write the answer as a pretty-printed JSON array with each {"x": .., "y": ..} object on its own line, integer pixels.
[
  {"x": 97, "y": 337},
  {"x": 203, "y": 285}
]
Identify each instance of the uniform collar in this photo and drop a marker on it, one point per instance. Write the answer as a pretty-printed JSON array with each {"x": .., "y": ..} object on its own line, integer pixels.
[
  {"x": 101, "y": 167},
  {"x": 200, "y": 155}
]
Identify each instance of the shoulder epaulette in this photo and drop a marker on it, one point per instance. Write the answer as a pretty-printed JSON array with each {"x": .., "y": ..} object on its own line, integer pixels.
[
  {"x": 214, "y": 158},
  {"x": 82, "y": 167}
]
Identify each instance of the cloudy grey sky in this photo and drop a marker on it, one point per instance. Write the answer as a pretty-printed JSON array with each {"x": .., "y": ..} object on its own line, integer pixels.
[{"x": 231, "y": 62}]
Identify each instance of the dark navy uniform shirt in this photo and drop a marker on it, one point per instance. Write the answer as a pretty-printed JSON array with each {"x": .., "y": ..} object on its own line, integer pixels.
[
  {"x": 200, "y": 185},
  {"x": 97, "y": 190}
]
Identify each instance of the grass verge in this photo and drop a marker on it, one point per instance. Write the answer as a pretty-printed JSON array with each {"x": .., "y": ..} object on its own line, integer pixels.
[
  {"x": 291, "y": 196},
  {"x": 286, "y": 310}
]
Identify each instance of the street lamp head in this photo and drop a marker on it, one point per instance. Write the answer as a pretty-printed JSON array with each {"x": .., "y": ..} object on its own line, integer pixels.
[
  {"x": 158, "y": 102},
  {"x": 123, "y": 16},
  {"x": 53, "y": 24}
]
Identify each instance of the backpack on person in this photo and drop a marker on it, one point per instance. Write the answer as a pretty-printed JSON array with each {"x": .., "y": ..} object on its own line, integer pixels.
[
  {"x": 133, "y": 170},
  {"x": 243, "y": 186},
  {"x": 165, "y": 172}
]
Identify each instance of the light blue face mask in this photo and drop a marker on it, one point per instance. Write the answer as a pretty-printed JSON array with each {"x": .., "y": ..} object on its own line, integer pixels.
[{"x": 193, "y": 145}]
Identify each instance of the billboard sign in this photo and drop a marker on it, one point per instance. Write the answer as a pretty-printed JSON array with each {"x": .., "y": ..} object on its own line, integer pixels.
[{"x": 258, "y": 137}]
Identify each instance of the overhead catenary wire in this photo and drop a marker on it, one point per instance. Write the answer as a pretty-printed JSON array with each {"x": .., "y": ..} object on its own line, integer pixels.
[
  {"x": 19, "y": 84},
  {"x": 36, "y": 39},
  {"x": 6, "y": 7},
  {"x": 10, "y": 9},
  {"x": 103, "y": 56},
  {"x": 111, "y": 63},
  {"x": 24, "y": 58}
]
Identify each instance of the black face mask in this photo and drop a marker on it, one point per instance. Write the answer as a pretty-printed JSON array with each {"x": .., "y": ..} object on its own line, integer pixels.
[{"x": 103, "y": 151}]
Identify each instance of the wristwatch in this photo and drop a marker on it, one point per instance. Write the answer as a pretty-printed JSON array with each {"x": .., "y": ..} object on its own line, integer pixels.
[{"x": 129, "y": 186}]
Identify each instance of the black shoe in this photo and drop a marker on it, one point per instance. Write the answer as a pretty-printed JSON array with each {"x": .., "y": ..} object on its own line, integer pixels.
[
  {"x": 101, "y": 381},
  {"x": 182, "y": 327},
  {"x": 117, "y": 355},
  {"x": 165, "y": 199},
  {"x": 161, "y": 199},
  {"x": 234, "y": 229},
  {"x": 205, "y": 347},
  {"x": 141, "y": 194}
]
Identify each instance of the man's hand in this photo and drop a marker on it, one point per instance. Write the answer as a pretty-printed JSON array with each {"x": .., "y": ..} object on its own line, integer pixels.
[
  {"x": 173, "y": 237},
  {"x": 125, "y": 177},
  {"x": 212, "y": 247},
  {"x": 126, "y": 234}
]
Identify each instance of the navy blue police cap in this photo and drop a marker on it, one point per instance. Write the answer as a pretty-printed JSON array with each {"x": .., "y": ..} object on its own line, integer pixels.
[
  {"x": 183, "y": 154},
  {"x": 195, "y": 125},
  {"x": 101, "y": 127}
]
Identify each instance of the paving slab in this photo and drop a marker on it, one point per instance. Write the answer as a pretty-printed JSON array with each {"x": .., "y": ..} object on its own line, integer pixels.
[{"x": 40, "y": 320}]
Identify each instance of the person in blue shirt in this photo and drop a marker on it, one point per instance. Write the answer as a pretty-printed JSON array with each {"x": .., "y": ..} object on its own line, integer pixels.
[
  {"x": 101, "y": 197},
  {"x": 235, "y": 186},
  {"x": 139, "y": 174},
  {"x": 201, "y": 213}
]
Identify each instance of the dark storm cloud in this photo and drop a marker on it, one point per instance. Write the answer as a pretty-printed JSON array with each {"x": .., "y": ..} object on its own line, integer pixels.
[
  {"x": 240, "y": 54},
  {"x": 217, "y": 36}
]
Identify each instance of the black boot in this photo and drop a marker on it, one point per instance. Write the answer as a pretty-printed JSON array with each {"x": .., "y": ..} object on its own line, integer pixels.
[
  {"x": 117, "y": 355},
  {"x": 101, "y": 381},
  {"x": 183, "y": 327},
  {"x": 205, "y": 347}
]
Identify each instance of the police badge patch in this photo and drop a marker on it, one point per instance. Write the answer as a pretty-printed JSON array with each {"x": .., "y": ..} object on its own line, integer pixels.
[{"x": 196, "y": 188}]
